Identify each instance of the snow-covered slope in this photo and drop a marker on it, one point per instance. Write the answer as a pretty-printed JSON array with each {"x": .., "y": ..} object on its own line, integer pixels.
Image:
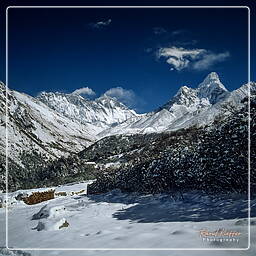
[
  {"x": 207, "y": 115},
  {"x": 237, "y": 95},
  {"x": 102, "y": 112},
  {"x": 188, "y": 107},
  {"x": 33, "y": 126},
  {"x": 120, "y": 220}
]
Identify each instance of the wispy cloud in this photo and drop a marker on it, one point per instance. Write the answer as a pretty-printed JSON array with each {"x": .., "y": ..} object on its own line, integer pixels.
[
  {"x": 127, "y": 97},
  {"x": 178, "y": 37},
  {"x": 85, "y": 91},
  {"x": 197, "y": 59},
  {"x": 185, "y": 43},
  {"x": 209, "y": 60},
  {"x": 100, "y": 24},
  {"x": 173, "y": 33},
  {"x": 159, "y": 30},
  {"x": 178, "y": 32}
]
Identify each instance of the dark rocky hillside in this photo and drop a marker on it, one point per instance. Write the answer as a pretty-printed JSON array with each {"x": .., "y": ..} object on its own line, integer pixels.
[
  {"x": 34, "y": 171},
  {"x": 213, "y": 159}
]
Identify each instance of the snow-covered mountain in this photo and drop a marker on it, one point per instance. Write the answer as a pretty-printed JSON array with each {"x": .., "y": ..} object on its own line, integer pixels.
[
  {"x": 57, "y": 123},
  {"x": 34, "y": 127},
  {"x": 103, "y": 112},
  {"x": 212, "y": 89},
  {"x": 188, "y": 107}
]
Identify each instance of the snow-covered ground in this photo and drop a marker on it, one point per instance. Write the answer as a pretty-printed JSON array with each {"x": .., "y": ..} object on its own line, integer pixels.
[{"x": 119, "y": 220}]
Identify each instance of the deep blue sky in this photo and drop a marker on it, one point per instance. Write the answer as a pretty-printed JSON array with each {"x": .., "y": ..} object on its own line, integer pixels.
[{"x": 61, "y": 50}]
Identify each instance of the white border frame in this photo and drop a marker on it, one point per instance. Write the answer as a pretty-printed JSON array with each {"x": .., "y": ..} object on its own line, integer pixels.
[{"x": 133, "y": 249}]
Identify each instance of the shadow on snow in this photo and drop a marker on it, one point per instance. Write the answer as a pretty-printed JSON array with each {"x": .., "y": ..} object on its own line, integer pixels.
[{"x": 194, "y": 206}]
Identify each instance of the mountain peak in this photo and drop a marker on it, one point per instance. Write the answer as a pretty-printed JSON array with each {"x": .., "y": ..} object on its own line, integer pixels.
[
  {"x": 101, "y": 112},
  {"x": 212, "y": 76},
  {"x": 212, "y": 88},
  {"x": 212, "y": 80},
  {"x": 185, "y": 96},
  {"x": 106, "y": 97},
  {"x": 183, "y": 89}
]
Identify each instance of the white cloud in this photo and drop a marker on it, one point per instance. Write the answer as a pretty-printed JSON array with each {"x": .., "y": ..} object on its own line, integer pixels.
[
  {"x": 178, "y": 57},
  {"x": 127, "y": 97},
  {"x": 198, "y": 59},
  {"x": 209, "y": 60},
  {"x": 100, "y": 24},
  {"x": 84, "y": 91}
]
